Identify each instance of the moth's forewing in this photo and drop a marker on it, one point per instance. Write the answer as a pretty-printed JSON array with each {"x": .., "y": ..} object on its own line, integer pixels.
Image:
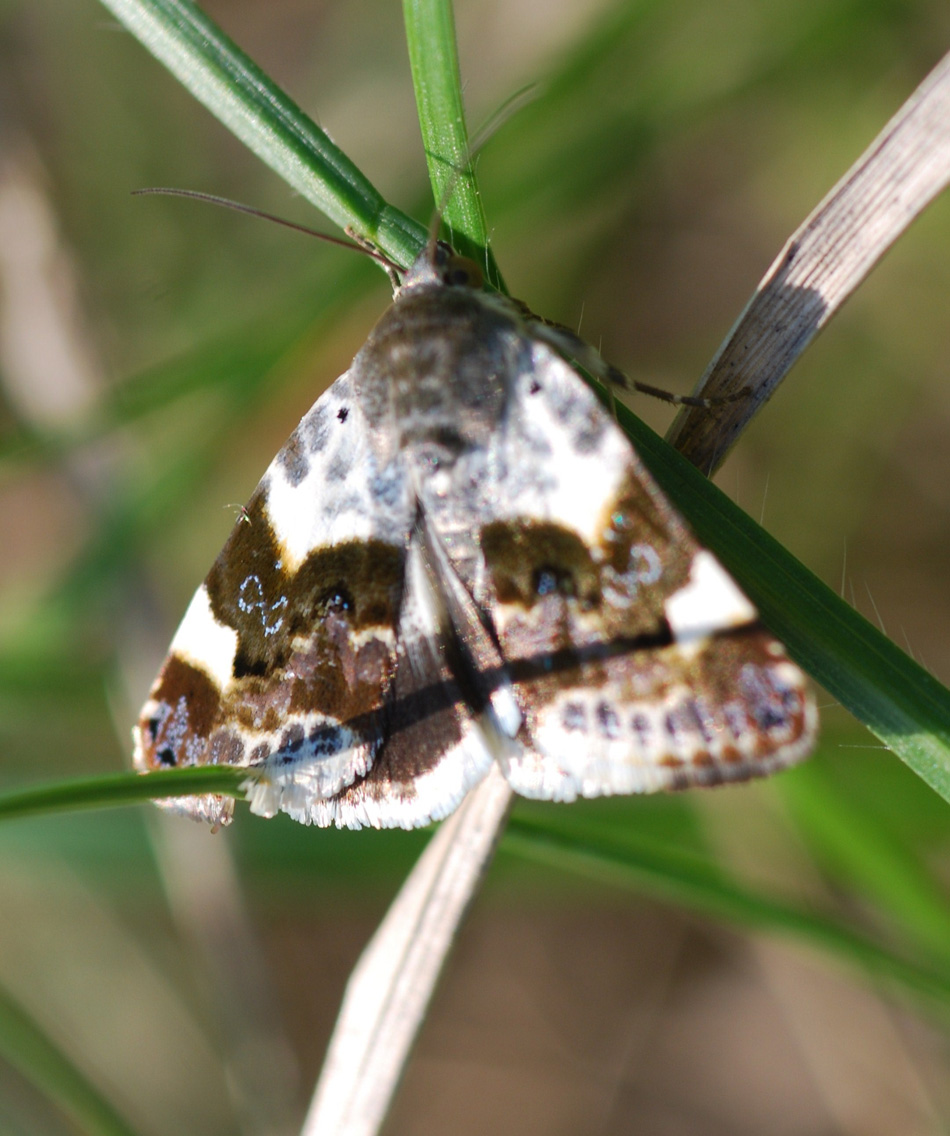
[
  {"x": 287, "y": 652},
  {"x": 636, "y": 662}
]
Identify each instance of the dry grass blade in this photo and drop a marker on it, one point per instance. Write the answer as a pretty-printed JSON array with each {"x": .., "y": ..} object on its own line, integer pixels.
[
  {"x": 827, "y": 257},
  {"x": 390, "y": 988}
]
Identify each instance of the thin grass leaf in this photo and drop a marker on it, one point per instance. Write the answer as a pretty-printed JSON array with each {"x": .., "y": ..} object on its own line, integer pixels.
[
  {"x": 692, "y": 883},
  {"x": 389, "y": 990},
  {"x": 856, "y": 849},
  {"x": 41, "y": 1061},
  {"x": 113, "y": 789},
  {"x": 256, "y": 110},
  {"x": 433, "y": 57}
]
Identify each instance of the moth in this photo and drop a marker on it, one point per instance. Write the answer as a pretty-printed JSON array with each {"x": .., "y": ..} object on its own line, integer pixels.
[{"x": 459, "y": 559}]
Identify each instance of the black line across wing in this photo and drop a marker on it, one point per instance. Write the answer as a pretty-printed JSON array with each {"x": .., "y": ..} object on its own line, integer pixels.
[{"x": 425, "y": 703}]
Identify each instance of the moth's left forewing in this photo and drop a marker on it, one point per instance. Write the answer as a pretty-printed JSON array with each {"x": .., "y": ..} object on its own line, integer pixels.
[
  {"x": 286, "y": 653},
  {"x": 637, "y": 662}
]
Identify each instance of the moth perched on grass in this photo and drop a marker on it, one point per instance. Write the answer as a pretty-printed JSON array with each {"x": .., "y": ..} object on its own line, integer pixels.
[{"x": 459, "y": 559}]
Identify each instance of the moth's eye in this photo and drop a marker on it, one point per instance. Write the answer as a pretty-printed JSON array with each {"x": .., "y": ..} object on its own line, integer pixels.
[{"x": 460, "y": 272}]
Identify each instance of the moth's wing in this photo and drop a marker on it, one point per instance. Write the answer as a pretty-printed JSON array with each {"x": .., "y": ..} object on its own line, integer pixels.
[
  {"x": 438, "y": 741},
  {"x": 636, "y": 662},
  {"x": 286, "y": 654}
]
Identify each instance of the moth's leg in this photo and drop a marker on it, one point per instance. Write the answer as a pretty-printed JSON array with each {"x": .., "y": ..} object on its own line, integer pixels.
[
  {"x": 367, "y": 244},
  {"x": 573, "y": 348}
]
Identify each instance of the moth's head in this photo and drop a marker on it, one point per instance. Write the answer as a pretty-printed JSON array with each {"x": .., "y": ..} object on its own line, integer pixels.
[{"x": 439, "y": 265}]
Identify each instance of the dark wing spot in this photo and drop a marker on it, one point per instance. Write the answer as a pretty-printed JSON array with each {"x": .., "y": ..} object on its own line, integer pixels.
[
  {"x": 608, "y": 721},
  {"x": 548, "y": 580},
  {"x": 343, "y": 413},
  {"x": 291, "y": 740},
  {"x": 574, "y": 717},
  {"x": 531, "y": 560},
  {"x": 336, "y": 600},
  {"x": 640, "y": 724}
]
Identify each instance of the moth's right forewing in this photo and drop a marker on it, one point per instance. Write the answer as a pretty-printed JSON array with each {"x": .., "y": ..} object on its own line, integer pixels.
[{"x": 636, "y": 662}]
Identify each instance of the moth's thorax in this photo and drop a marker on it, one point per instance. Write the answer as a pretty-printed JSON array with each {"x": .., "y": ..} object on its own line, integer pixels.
[{"x": 436, "y": 369}]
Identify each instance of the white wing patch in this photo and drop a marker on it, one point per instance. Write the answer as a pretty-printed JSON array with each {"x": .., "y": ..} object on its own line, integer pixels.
[
  {"x": 709, "y": 603},
  {"x": 204, "y": 642},
  {"x": 559, "y": 455}
]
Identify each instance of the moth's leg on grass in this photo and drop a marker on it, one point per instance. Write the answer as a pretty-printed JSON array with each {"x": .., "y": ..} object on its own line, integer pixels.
[{"x": 571, "y": 347}]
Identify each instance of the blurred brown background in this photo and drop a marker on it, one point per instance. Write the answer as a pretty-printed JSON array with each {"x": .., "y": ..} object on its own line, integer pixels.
[{"x": 154, "y": 353}]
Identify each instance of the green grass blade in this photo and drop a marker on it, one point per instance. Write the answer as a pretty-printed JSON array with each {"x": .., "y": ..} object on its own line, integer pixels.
[
  {"x": 900, "y": 702},
  {"x": 857, "y": 850},
  {"x": 256, "y": 110},
  {"x": 30, "y": 1050},
  {"x": 692, "y": 883},
  {"x": 113, "y": 789},
  {"x": 433, "y": 57}
]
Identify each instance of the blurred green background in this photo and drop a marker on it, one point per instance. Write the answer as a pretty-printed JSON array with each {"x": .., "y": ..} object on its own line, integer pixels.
[{"x": 154, "y": 353}]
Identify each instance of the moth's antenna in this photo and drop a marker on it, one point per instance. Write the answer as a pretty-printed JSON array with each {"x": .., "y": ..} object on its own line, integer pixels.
[
  {"x": 487, "y": 130},
  {"x": 497, "y": 119},
  {"x": 213, "y": 199}
]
